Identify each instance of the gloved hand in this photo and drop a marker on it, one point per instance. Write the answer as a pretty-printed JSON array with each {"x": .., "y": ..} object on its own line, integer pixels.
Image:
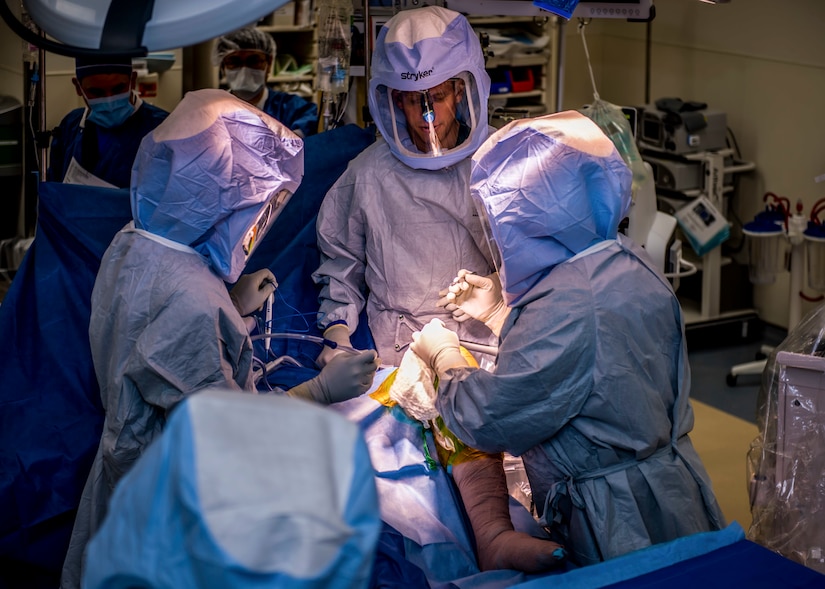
[
  {"x": 344, "y": 377},
  {"x": 477, "y": 296},
  {"x": 339, "y": 333},
  {"x": 438, "y": 347},
  {"x": 251, "y": 291}
]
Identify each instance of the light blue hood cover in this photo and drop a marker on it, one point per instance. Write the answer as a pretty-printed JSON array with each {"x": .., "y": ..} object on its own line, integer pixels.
[
  {"x": 202, "y": 177},
  {"x": 419, "y": 49},
  {"x": 550, "y": 187},
  {"x": 243, "y": 491}
]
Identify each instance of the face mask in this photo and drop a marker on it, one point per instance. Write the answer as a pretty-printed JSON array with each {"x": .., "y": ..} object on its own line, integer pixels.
[
  {"x": 245, "y": 82},
  {"x": 111, "y": 111}
]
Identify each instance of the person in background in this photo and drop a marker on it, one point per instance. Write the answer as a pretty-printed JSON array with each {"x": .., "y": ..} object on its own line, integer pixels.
[
  {"x": 207, "y": 185},
  {"x": 399, "y": 221},
  {"x": 245, "y": 59},
  {"x": 96, "y": 145},
  {"x": 591, "y": 379}
]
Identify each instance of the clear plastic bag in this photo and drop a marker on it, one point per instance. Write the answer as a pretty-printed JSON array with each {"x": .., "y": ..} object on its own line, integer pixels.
[
  {"x": 517, "y": 484},
  {"x": 615, "y": 125},
  {"x": 786, "y": 462}
]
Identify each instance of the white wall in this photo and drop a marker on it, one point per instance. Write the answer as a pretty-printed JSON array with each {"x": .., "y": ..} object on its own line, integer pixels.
[
  {"x": 60, "y": 93},
  {"x": 760, "y": 61},
  {"x": 11, "y": 63}
]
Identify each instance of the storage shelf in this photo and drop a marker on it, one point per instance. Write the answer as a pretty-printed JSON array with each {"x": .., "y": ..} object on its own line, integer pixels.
[
  {"x": 528, "y": 59},
  {"x": 286, "y": 78},
  {"x": 530, "y": 94},
  {"x": 533, "y": 59},
  {"x": 285, "y": 29},
  {"x": 299, "y": 42}
]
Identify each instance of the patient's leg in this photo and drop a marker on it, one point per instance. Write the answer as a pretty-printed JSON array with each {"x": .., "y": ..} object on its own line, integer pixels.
[{"x": 483, "y": 488}]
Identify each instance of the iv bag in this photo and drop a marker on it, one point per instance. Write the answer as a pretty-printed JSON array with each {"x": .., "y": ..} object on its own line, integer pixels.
[
  {"x": 614, "y": 124},
  {"x": 334, "y": 43}
]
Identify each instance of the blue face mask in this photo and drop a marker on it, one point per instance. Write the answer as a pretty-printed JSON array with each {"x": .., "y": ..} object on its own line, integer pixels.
[{"x": 111, "y": 111}]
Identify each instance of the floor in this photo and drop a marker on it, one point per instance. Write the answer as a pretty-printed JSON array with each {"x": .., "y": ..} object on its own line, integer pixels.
[{"x": 725, "y": 419}]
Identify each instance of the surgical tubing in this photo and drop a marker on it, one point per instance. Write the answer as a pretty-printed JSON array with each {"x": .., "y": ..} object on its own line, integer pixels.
[
  {"x": 473, "y": 347},
  {"x": 309, "y": 338},
  {"x": 484, "y": 349}
]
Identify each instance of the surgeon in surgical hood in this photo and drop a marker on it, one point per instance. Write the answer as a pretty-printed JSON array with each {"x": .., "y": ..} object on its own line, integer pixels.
[
  {"x": 398, "y": 223},
  {"x": 207, "y": 185},
  {"x": 591, "y": 380}
]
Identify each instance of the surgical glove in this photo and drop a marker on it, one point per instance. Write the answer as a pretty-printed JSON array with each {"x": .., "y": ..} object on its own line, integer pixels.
[
  {"x": 447, "y": 301},
  {"x": 338, "y": 333},
  {"x": 480, "y": 297},
  {"x": 344, "y": 377},
  {"x": 438, "y": 347},
  {"x": 251, "y": 291}
]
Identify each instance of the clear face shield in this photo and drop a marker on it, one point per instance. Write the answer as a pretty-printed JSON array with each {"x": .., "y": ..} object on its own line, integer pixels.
[
  {"x": 432, "y": 121},
  {"x": 495, "y": 251},
  {"x": 263, "y": 222}
]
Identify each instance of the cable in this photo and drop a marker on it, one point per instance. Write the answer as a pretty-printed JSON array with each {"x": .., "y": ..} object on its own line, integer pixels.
[
  {"x": 262, "y": 375},
  {"x": 691, "y": 270},
  {"x": 309, "y": 338},
  {"x": 735, "y": 143},
  {"x": 583, "y": 23}
]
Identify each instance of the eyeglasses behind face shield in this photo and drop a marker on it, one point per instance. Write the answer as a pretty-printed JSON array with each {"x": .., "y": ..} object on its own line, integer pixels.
[
  {"x": 432, "y": 121},
  {"x": 264, "y": 221},
  {"x": 255, "y": 61}
]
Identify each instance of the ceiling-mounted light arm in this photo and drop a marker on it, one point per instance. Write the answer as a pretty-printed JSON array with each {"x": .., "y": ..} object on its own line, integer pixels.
[
  {"x": 119, "y": 49},
  {"x": 125, "y": 24}
]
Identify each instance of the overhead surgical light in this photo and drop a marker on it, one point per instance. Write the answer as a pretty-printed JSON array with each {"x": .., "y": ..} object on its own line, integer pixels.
[{"x": 131, "y": 27}]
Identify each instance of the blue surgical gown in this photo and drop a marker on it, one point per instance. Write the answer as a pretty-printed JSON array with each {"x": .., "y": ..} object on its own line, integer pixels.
[
  {"x": 297, "y": 113},
  {"x": 106, "y": 153},
  {"x": 158, "y": 332},
  {"x": 591, "y": 388}
]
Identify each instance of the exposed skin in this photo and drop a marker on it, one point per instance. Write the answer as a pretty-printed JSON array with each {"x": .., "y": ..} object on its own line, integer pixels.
[
  {"x": 251, "y": 58},
  {"x": 444, "y": 100},
  {"x": 105, "y": 85}
]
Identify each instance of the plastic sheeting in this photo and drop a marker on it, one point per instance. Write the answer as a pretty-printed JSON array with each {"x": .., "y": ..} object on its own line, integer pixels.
[
  {"x": 50, "y": 411},
  {"x": 786, "y": 462}
]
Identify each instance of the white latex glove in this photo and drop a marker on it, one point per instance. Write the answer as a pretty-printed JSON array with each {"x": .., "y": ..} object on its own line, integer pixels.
[
  {"x": 338, "y": 333},
  {"x": 251, "y": 291},
  {"x": 344, "y": 377},
  {"x": 477, "y": 296},
  {"x": 438, "y": 347}
]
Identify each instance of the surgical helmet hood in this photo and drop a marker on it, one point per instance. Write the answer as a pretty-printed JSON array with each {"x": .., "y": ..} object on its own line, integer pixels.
[
  {"x": 419, "y": 50},
  {"x": 213, "y": 176},
  {"x": 547, "y": 189}
]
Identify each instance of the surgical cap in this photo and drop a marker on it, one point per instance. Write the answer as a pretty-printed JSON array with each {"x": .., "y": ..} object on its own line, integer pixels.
[
  {"x": 420, "y": 49},
  {"x": 549, "y": 187},
  {"x": 203, "y": 176},
  {"x": 242, "y": 490},
  {"x": 90, "y": 66},
  {"x": 248, "y": 39}
]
